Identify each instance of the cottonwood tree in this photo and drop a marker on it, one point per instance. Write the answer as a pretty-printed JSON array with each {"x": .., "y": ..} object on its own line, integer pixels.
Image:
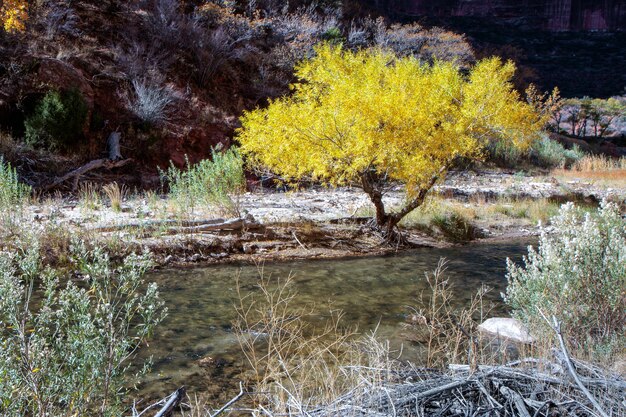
[
  {"x": 370, "y": 118},
  {"x": 13, "y": 15}
]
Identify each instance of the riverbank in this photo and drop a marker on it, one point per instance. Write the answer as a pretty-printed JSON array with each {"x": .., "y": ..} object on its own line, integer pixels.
[{"x": 307, "y": 224}]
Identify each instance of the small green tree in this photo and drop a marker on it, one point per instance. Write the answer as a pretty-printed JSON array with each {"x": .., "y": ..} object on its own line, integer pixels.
[
  {"x": 58, "y": 120},
  {"x": 218, "y": 181}
]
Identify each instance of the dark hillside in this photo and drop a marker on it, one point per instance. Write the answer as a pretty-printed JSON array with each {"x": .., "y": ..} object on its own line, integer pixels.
[
  {"x": 172, "y": 77},
  {"x": 576, "y": 44}
]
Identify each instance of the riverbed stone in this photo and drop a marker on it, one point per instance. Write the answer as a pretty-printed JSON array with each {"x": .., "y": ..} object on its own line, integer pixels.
[{"x": 506, "y": 328}]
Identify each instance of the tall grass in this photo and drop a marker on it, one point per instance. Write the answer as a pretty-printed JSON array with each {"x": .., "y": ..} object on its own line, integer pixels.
[
  {"x": 598, "y": 168},
  {"x": 448, "y": 334},
  {"x": 13, "y": 193},
  {"x": 89, "y": 196},
  {"x": 592, "y": 163},
  {"x": 115, "y": 194},
  {"x": 217, "y": 182},
  {"x": 13, "y": 197}
]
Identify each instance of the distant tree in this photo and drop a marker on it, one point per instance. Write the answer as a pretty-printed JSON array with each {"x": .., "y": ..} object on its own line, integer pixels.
[
  {"x": 588, "y": 116},
  {"x": 604, "y": 113},
  {"x": 370, "y": 118},
  {"x": 13, "y": 15},
  {"x": 550, "y": 105}
]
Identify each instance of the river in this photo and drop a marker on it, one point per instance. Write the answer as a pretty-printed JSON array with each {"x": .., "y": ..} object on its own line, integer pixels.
[{"x": 373, "y": 292}]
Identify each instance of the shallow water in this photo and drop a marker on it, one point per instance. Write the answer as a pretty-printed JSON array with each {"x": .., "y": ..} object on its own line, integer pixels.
[{"x": 373, "y": 292}]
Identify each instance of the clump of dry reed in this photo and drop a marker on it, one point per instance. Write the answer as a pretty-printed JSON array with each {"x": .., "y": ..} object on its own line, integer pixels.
[
  {"x": 115, "y": 194},
  {"x": 89, "y": 196},
  {"x": 295, "y": 366},
  {"x": 592, "y": 163},
  {"x": 449, "y": 334},
  {"x": 597, "y": 167}
]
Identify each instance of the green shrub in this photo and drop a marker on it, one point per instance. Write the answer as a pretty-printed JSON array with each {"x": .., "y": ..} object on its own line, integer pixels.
[
  {"x": 504, "y": 153},
  {"x": 66, "y": 343},
  {"x": 578, "y": 274},
  {"x": 58, "y": 120},
  {"x": 333, "y": 35},
  {"x": 217, "y": 181},
  {"x": 546, "y": 153},
  {"x": 454, "y": 226},
  {"x": 12, "y": 192},
  {"x": 551, "y": 154}
]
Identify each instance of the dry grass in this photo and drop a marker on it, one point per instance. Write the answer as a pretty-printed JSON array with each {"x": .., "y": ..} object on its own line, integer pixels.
[
  {"x": 598, "y": 168},
  {"x": 535, "y": 210},
  {"x": 592, "y": 163},
  {"x": 429, "y": 216},
  {"x": 116, "y": 195},
  {"x": 449, "y": 335},
  {"x": 89, "y": 196},
  {"x": 435, "y": 215},
  {"x": 296, "y": 366}
]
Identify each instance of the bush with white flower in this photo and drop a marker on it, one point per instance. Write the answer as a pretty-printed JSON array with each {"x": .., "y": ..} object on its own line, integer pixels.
[{"x": 578, "y": 274}]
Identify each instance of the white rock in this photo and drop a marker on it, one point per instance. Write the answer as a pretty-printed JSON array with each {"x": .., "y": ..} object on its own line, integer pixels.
[{"x": 506, "y": 328}]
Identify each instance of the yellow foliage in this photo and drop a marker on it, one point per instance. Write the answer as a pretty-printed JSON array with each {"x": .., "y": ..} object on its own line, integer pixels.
[
  {"x": 13, "y": 15},
  {"x": 354, "y": 113}
]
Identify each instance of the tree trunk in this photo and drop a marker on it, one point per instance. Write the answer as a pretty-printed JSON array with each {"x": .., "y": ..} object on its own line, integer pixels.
[
  {"x": 387, "y": 223},
  {"x": 113, "y": 146},
  {"x": 376, "y": 196}
]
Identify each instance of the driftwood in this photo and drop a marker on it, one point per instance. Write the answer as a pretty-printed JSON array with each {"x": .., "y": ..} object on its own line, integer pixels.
[
  {"x": 167, "y": 404},
  {"x": 175, "y": 227},
  {"x": 90, "y": 166},
  {"x": 556, "y": 326},
  {"x": 173, "y": 402},
  {"x": 113, "y": 146},
  {"x": 524, "y": 388},
  {"x": 231, "y": 402},
  {"x": 516, "y": 399}
]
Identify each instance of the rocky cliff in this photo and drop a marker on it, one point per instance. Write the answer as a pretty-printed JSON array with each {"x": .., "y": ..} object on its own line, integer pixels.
[{"x": 551, "y": 15}]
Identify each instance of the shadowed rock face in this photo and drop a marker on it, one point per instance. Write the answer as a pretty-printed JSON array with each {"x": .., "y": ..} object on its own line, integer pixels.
[{"x": 551, "y": 15}]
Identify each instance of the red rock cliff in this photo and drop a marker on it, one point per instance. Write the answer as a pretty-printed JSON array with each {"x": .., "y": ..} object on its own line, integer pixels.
[{"x": 552, "y": 15}]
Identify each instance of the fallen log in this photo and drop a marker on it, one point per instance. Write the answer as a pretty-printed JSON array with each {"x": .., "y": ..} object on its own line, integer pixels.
[
  {"x": 90, "y": 166},
  {"x": 174, "y": 227},
  {"x": 168, "y": 403},
  {"x": 172, "y": 403},
  {"x": 515, "y": 398}
]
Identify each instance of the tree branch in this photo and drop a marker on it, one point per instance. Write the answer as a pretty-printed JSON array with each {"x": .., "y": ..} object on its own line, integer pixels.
[{"x": 556, "y": 326}]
